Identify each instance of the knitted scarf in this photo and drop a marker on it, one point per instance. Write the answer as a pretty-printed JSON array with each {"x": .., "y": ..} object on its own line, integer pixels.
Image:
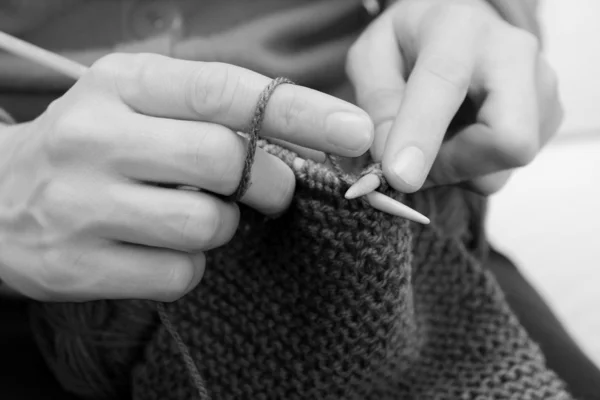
[{"x": 332, "y": 300}]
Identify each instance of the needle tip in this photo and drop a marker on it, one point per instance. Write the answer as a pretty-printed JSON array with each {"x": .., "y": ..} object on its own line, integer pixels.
[
  {"x": 393, "y": 207},
  {"x": 363, "y": 186}
]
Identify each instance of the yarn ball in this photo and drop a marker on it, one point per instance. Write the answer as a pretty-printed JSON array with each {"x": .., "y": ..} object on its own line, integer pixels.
[{"x": 92, "y": 347}]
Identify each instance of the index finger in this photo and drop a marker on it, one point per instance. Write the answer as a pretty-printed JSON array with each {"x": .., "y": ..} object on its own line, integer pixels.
[
  {"x": 224, "y": 94},
  {"x": 435, "y": 89}
]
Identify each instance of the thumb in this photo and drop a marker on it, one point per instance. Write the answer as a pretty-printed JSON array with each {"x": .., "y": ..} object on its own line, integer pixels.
[{"x": 375, "y": 69}]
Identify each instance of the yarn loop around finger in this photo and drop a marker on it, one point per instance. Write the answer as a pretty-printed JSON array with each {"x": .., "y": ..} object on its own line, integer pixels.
[{"x": 253, "y": 136}]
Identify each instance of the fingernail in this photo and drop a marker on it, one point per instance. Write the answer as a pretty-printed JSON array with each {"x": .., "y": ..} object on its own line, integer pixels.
[
  {"x": 349, "y": 131},
  {"x": 409, "y": 165}
]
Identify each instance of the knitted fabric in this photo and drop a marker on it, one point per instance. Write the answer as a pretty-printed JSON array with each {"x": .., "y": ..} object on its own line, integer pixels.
[
  {"x": 338, "y": 301},
  {"x": 333, "y": 300}
]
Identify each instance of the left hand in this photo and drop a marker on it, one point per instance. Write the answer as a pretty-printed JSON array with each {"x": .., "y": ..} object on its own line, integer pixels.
[{"x": 412, "y": 70}]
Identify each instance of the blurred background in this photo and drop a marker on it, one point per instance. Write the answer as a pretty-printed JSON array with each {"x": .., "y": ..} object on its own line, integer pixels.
[{"x": 547, "y": 219}]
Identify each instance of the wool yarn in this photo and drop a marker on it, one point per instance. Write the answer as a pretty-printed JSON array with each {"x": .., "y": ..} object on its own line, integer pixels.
[{"x": 332, "y": 300}]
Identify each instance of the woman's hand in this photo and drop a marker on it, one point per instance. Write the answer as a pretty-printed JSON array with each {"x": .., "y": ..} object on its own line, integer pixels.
[
  {"x": 81, "y": 216},
  {"x": 413, "y": 68}
]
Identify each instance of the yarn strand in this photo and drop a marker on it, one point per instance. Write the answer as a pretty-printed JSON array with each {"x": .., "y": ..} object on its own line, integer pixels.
[
  {"x": 244, "y": 184},
  {"x": 253, "y": 133},
  {"x": 185, "y": 353}
]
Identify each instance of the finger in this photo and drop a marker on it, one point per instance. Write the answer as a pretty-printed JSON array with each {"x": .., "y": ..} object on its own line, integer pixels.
[
  {"x": 484, "y": 185},
  {"x": 511, "y": 107},
  {"x": 551, "y": 109},
  {"x": 203, "y": 155},
  {"x": 167, "y": 218},
  {"x": 468, "y": 155},
  {"x": 436, "y": 88},
  {"x": 490, "y": 184},
  {"x": 375, "y": 68},
  {"x": 507, "y": 134},
  {"x": 123, "y": 271},
  {"x": 225, "y": 94},
  {"x": 302, "y": 152}
]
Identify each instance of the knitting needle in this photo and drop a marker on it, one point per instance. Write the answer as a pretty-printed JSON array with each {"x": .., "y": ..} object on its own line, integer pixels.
[
  {"x": 75, "y": 70},
  {"x": 362, "y": 187},
  {"x": 381, "y": 202},
  {"x": 41, "y": 56}
]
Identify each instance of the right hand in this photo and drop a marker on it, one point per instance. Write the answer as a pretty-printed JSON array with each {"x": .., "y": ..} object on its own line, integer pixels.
[{"x": 80, "y": 217}]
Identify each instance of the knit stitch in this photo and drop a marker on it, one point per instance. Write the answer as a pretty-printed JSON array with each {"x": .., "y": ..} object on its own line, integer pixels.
[
  {"x": 338, "y": 301},
  {"x": 333, "y": 300}
]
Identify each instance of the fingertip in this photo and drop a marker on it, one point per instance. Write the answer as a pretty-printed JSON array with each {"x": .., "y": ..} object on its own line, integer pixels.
[
  {"x": 199, "y": 266},
  {"x": 406, "y": 170},
  {"x": 490, "y": 184},
  {"x": 349, "y": 133},
  {"x": 183, "y": 277},
  {"x": 229, "y": 221},
  {"x": 273, "y": 185}
]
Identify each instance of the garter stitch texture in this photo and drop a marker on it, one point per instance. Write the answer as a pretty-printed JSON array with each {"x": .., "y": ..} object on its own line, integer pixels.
[{"x": 332, "y": 300}]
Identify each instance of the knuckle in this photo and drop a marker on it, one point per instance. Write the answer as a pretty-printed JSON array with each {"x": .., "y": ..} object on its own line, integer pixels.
[
  {"x": 492, "y": 183},
  {"x": 520, "y": 40},
  {"x": 293, "y": 112},
  {"x": 520, "y": 148},
  {"x": 110, "y": 65},
  {"x": 136, "y": 73},
  {"x": 65, "y": 210},
  {"x": 55, "y": 195},
  {"x": 220, "y": 155},
  {"x": 212, "y": 90},
  {"x": 446, "y": 15},
  {"x": 353, "y": 57},
  {"x": 529, "y": 41},
  {"x": 449, "y": 70},
  {"x": 548, "y": 77},
  {"x": 548, "y": 82},
  {"x": 383, "y": 103},
  {"x": 60, "y": 274},
  {"x": 457, "y": 10},
  {"x": 71, "y": 132}
]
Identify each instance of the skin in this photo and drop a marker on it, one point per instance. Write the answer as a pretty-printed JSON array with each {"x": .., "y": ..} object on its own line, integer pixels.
[
  {"x": 414, "y": 67},
  {"x": 79, "y": 219}
]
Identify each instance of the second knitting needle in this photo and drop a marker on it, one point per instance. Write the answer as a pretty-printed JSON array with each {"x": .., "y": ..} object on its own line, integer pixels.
[
  {"x": 75, "y": 70},
  {"x": 41, "y": 56},
  {"x": 363, "y": 186},
  {"x": 381, "y": 202}
]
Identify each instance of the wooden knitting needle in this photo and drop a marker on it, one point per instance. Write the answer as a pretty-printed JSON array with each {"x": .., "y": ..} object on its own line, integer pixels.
[
  {"x": 362, "y": 187},
  {"x": 381, "y": 202},
  {"x": 41, "y": 56},
  {"x": 75, "y": 70}
]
